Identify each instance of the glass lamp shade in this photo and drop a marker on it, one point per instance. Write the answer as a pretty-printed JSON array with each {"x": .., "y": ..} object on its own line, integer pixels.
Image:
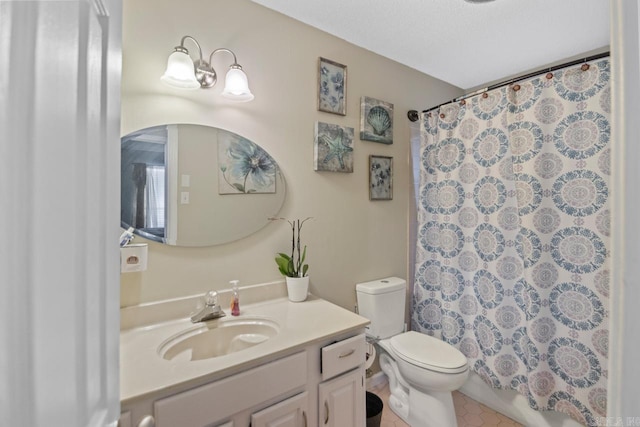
[
  {"x": 180, "y": 72},
  {"x": 236, "y": 85}
]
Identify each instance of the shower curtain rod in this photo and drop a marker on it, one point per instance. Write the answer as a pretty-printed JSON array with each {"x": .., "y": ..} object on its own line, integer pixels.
[{"x": 414, "y": 116}]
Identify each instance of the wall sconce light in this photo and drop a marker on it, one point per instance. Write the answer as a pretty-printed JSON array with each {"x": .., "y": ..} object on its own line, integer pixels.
[{"x": 183, "y": 73}]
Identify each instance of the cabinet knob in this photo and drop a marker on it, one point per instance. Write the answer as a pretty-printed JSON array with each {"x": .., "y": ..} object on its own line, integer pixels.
[
  {"x": 147, "y": 421},
  {"x": 304, "y": 418},
  {"x": 326, "y": 412}
]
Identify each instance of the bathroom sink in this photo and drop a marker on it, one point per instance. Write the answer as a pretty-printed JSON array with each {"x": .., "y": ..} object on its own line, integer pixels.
[{"x": 217, "y": 338}]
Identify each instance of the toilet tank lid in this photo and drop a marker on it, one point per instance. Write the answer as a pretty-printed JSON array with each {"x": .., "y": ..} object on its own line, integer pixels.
[{"x": 381, "y": 286}]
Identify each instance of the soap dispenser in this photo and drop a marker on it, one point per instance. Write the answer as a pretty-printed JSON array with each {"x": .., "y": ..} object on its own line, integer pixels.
[{"x": 235, "y": 298}]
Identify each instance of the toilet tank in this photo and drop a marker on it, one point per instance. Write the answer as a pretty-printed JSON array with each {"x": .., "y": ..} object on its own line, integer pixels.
[{"x": 382, "y": 302}]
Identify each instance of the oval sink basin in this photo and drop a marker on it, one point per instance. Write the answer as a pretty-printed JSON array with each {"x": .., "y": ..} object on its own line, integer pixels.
[{"x": 217, "y": 338}]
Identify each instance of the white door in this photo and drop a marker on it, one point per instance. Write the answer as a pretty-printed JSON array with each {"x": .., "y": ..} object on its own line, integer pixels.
[
  {"x": 59, "y": 212},
  {"x": 624, "y": 345}
]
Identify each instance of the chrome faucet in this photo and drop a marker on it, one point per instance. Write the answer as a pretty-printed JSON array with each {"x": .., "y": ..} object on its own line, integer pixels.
[{"x": 211, "y": 309}]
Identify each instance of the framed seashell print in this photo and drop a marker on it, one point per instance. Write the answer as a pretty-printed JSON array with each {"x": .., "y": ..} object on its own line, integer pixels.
[
  {"x": 332, "y": 87},
  {"x": 376, "y": 120},
  {"x": 380, "y": 178}
]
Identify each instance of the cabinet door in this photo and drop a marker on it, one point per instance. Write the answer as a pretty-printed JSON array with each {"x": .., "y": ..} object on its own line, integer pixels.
[
  {"x": 342, "y": 400},
  {"x": 288, "y": 413}
]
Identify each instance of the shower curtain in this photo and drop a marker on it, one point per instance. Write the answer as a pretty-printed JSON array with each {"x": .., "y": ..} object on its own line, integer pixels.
[{"x": 513, "y": 236}]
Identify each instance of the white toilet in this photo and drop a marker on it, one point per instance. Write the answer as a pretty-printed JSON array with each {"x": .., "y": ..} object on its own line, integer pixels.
[{"x": 422, "y": 370}]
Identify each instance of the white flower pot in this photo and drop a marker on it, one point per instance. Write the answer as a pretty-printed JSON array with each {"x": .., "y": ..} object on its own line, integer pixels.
[{"x": 297, "y": 288}]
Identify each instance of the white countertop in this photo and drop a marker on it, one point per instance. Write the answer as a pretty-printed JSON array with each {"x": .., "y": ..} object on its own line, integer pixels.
[{"x": 144, "y": 372}]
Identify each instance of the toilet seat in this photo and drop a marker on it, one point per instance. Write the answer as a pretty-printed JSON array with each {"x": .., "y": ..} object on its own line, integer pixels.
[{"x": 428, "y": 352}]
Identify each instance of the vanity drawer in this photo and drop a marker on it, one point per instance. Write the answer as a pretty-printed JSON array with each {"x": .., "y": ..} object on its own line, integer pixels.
[
  {"x": 343, "y": 356},
  {"x": 219, "y": 400}
]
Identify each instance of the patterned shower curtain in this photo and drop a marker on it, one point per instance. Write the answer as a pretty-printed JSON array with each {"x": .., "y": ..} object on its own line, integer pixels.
[{"x": 512, "y": 249}]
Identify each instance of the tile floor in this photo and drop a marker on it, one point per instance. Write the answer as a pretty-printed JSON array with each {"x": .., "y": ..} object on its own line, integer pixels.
[{"x": 468, "y": 412}]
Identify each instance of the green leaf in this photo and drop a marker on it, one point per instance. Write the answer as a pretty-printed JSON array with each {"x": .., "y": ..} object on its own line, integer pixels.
[
  {"x": 283, "y": 265},
  {"x": 285, "y": 256},
  {"x": 239, "y": 187},
  {"x": 305, "y": 268},
  {"x": 304, "y": 255}
]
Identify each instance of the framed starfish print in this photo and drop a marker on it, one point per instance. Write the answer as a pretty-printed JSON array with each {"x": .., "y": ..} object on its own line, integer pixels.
[{"x": 333, "y": 148}]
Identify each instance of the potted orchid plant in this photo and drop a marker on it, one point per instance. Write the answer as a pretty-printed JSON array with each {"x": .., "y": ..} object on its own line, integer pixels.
[{"x": 293, "y": 266}]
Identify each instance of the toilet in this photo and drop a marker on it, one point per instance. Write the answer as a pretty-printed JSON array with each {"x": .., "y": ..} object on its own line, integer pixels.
[{"x": 422, "y": 370}]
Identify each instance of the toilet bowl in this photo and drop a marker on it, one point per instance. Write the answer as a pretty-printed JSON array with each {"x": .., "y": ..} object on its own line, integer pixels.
[
  {"x": 427, "y": 362},
  {"x": 422, "y": 370}
]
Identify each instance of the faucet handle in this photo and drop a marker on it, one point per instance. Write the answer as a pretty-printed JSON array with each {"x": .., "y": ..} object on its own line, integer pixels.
[{"x": 211, "y": 298}]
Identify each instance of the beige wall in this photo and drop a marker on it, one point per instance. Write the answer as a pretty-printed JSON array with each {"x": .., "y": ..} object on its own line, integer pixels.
[
  {"x": 351, "y": 239},
  {"x": 196, "y": 154}
]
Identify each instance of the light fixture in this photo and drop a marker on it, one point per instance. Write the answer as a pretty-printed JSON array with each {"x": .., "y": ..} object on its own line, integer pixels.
[{"x": 183, "y": 73}]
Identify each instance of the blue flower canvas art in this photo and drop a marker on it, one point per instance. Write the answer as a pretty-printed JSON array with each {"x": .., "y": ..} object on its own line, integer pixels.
[
  {"x": 243, "y": 166},
  {"x": 332, "y": 87},
  {"x": 333, "y": 149}
]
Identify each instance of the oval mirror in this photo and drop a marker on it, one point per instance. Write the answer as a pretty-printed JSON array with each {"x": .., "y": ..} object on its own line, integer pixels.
[{"x": 192, "y": 185}]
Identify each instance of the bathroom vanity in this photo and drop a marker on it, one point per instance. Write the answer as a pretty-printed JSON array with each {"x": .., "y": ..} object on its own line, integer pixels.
[{"x": 278, "y": 363}]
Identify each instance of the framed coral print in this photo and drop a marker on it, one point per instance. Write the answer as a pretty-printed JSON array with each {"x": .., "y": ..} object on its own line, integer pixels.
[
  {"x": 380, "y": 178},
  {"x": 376, "y": 120},
  {"x": 333, "y": 148},
  {"x": 332, "y": 87}
]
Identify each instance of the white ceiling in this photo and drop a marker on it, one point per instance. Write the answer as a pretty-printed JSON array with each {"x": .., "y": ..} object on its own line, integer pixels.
[{"x": 462, "y": 43}]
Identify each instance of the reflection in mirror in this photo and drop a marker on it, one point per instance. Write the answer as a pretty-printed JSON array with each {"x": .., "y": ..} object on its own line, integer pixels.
[{"x": 192, "y": 185}]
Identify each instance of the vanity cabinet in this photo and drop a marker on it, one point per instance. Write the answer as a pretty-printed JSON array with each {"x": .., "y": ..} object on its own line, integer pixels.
[
  {"x": 308, "y": 372},
  {"x": 125, "y": 419},
  {"x": 319, "y": 385},
  {"x": 341, "y": 397}
]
